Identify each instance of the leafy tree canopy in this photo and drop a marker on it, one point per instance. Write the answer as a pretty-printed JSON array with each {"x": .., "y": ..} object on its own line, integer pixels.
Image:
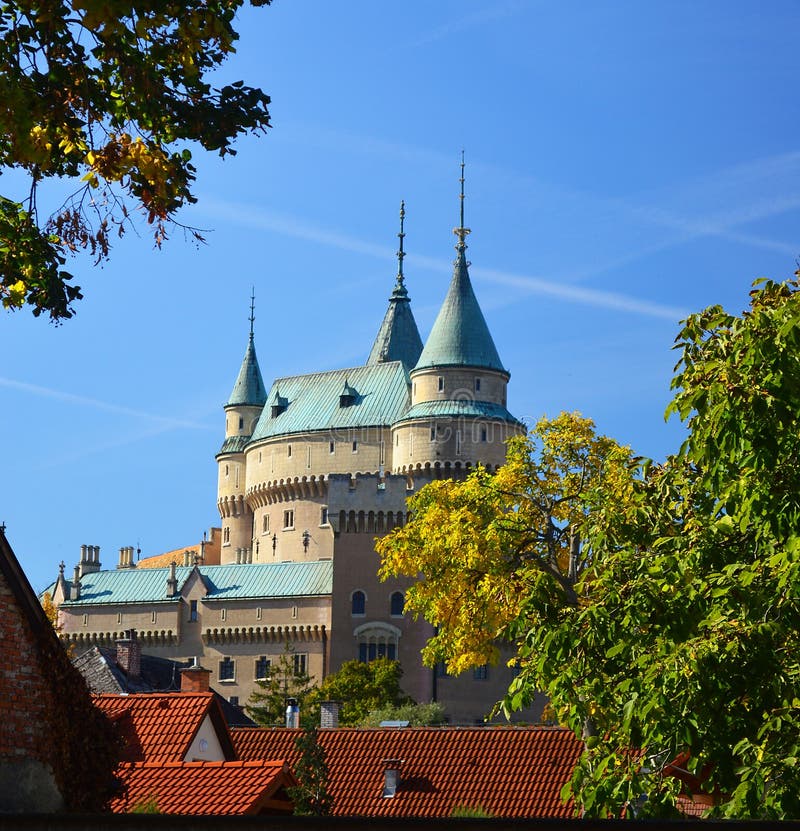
[
  {"x": 417, "y": 715},
  {"x": 111, "y": 94},
  {"x": 678, "y": 659},
  {"x": 360, "y": 687}
]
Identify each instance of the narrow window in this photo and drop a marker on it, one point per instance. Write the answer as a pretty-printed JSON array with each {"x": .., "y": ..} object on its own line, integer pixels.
[
  {"x": 397, "y": 439},
  {"x": 288, "y": 519},
  {"x": 265, "y": 524},
  {"x": 359, "y": 603},
  {"x": 483, "y": 434},
  {"x": 433, "y": 434},
  {"x": 458, "y": 442},
  {"x": 396, "y": 604},
  {"x": 308, "y": 456},
  {"x": 227, "y": 670},
  {"x": 192, "y": 611},
  {"x": 289, "y": 449},
  {"x": 477, "y": 385},
  {"x": 294, "y": 611},
  {"x": 241, "y": 423},
  {"x": 223, "y": 614},
  {"x": 86, "y": 620},
  {"x": 331, "y": 447},
  {"x": 263, "y": 665},
  {"x": 382, "y": 458},
  {"x": 300, "y": 664},
  {"x": 355, "y": 446},
  {"x": 236, "y": 476},
  {"x": 226, "y": 471},
  {"x": 119, "y": 617},
  {"x": 323, "y": 516},
  {"x": 259, "y": 457},
  {"x": 258, "y": 612},
  {"x": 415, "y": 388},
  {"x": 410, "y": 444},
  {"x": 153, "y": 617},
  {"x": 441, "y": 383}
]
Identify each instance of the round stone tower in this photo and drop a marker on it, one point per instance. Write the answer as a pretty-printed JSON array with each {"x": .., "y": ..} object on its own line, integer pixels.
[{"x": 241, "y": 416}]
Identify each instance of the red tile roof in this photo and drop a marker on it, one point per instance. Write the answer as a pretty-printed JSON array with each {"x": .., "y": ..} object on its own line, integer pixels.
[
  {"x": 162, "y": 726},
  {"x": 508, "y": 772},
  {"x": 206, "y": 787}
]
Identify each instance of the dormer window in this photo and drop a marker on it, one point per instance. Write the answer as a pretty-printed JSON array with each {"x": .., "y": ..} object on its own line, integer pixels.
[{"x": 348, "y": 395}]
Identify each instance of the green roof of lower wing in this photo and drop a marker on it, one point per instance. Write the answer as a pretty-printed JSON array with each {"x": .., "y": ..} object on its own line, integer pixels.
[
  {"x": 149, "y": 585},
  {"x": 234, "y": 444},
  {"x": 460, "y": 409}
]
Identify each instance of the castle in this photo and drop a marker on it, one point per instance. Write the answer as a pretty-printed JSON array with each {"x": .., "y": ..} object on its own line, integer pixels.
[{"x": 311, "y": 471}]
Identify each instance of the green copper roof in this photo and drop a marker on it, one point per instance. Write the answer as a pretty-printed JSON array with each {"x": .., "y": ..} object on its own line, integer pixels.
[
  {"x": 231, "y": 582},
  {"x": 249, "y": 387},
  {"x": 398, "y": 338},
  {"x": 460, "y": 409},
  {"x": 313, "y": 401},
  {"x": 460, "y": 336},
  {"x": 234, "y": 444}
]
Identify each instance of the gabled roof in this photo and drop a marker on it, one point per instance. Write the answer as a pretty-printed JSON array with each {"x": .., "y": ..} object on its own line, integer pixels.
[
  {"x": 206, "y": 787},
  {"x": 162, "y": 726},
  {"x": 236, "y": 581},
  {"x": 248, "y": 391},
  {"x": 398, "y": 338},
  {"x": 508, "y": 772},
  {"x": 460, "y": 336},
  {"x": 313, "y": 401}
]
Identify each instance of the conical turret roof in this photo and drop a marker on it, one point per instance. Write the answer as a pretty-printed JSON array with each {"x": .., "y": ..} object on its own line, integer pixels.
[
  {"x": 248, "y": 391},
  {"x": 460, "y": 336},
  {"x": 398, "y": 338}
]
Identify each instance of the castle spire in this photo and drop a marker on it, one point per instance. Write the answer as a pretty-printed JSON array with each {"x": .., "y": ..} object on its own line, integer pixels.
[
  {"x": 460, "y": 336},
  {"x": 461, "y": 232},
  {"x": 398, "y": 337},
  {"x": 252, "y": 309},
  {"x": 249, "y": 389}
]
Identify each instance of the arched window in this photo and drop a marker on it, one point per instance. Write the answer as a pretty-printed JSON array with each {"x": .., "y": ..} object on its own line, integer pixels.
[
  {"x": 377, "y": 640},
  {"x": 396, "y": 603},
  {"x": 359, "y": 603}
]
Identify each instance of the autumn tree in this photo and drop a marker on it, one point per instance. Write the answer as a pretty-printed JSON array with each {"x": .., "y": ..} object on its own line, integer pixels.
[
  {"x": 360, "y": 687},
  {"x": 111, "y": 96},
  {"x": 287, "y": 679},
  {"x": 499, "y": 551}
]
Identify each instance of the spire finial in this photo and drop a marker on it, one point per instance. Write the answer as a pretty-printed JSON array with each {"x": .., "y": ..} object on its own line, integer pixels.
[
  {"x": 461, "y": 232},
  {"x": 401, "y": 253},
  {"x": 252, "y": 309}
]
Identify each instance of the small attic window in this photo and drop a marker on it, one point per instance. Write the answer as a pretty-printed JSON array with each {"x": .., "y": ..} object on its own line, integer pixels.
[{"x": 348, "y": 396}]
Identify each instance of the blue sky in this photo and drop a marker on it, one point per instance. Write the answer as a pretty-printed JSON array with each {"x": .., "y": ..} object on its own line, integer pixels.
[{"x": 627, "y": 163}]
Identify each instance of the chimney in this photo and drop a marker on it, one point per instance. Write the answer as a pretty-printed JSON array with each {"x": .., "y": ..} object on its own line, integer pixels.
[
  {"x": 195, "y": 679},
  {"x": 292, "y": 713},
  {"x": 391, "y": 777},
  {"x": 126, "y": 557},
  {"x": 129, "y": 655},
  {"x": 90, "y": 559},
  {"x": 75, "y": 588},
  {"x": 329, "y": 715},
  {"x": 172, "y": 581}
]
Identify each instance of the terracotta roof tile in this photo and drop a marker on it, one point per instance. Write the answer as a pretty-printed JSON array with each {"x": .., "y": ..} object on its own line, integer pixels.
[
  {"x": 509, "y": 772},
  {"x": 205, "y": 787},
  {"x": 160, "y": 726}
]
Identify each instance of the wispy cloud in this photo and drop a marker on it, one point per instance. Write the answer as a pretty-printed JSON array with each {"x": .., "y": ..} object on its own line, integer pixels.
[
  {"x": 164, "y": 422},
  {"x": 265, "y": 220},
  {"x": 466, "y": 21}
]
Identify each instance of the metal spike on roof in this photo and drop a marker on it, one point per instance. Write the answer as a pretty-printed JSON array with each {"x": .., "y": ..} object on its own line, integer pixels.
[
  {"x": 249, "y": 391},
  {"x": 398, "y": 337},
  {"x": 460, "y": 336}
]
